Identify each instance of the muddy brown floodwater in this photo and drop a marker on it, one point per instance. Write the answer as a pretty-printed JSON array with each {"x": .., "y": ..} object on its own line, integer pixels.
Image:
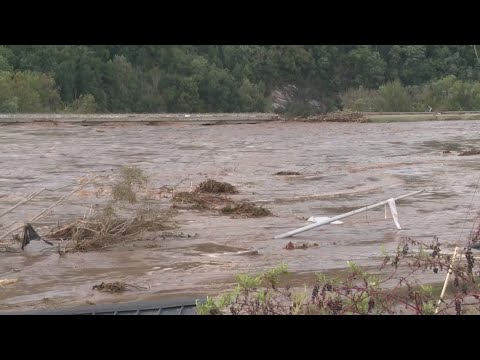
[{"x": 341, "y": 166}]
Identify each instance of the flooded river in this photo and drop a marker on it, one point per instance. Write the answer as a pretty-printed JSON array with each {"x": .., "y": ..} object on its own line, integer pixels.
[{"x": 342, "y": 167}]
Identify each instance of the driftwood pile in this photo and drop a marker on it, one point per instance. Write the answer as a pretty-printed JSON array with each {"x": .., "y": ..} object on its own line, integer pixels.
[
  {"x": 210, "y": 195},
  {"x": 119, "y": 220},
  {"x": 336, "y": 116}
]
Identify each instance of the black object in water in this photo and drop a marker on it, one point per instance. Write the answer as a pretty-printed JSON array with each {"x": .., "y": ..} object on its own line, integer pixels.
[{"x": 30, "y": 234}]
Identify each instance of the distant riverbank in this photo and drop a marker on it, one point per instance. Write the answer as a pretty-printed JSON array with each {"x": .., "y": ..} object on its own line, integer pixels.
[{"x": 221, "y": 118}]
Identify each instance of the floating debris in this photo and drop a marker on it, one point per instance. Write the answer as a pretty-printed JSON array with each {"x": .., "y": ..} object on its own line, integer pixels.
[
  {"x": 4, "y": 282},
  {"x": 287, "y": 173},
  {"x": 113, "y": 287},
  {"x": 196, "y": 200},
  {"x": 30, "y": 234},
  {"x": 204, "y": 197},
  {"x": 323, "y": 218},
  {"x": 470, "y": 152},
  {"x": 292, "y": 246},
  {"x": 336, "y": 116},
  {"x": 246, "y": 209},
  {"x": 106, "y": 229},
  {"x": 390, "y": 201},
  {"x": 215, "y": 187}
]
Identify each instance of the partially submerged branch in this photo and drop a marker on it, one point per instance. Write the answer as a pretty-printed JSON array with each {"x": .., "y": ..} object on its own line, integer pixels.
[{"x": 47, "y": 211}]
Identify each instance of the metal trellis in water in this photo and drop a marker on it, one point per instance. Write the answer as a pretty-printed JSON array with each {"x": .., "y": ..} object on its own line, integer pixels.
[{"x": 390, "y": 202}]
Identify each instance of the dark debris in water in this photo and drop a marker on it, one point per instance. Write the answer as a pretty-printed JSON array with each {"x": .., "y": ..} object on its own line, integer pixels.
[
  {"x": 336, "y": 116},
  {"x": 287, "y": 173},
  {"x": 246, "y": 209},
  {"x": 171, "y": 234},
  {"x": 215, "y": 187},
  {"x": 470, "y": 152},
  {"x": 292, "y": 246},
  {"x": 30, "y": 234},
  {"x": 113, "y": 287},
  {"x": 197, "y": 200}
]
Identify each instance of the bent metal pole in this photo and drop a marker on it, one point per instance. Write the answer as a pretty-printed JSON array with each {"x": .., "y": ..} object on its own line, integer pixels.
[{"x": 328, "y": 221}]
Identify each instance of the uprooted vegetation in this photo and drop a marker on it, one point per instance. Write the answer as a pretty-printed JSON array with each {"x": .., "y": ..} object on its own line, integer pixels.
[
  {"x": 106, "y": 228},
  {"x": 245, "y": 209},
  {"x": 336, "y": 116},
  {"x": 470, "y": 152},
  {"x": 111, "y": 287},
  {"x": 115, "y": 220},
  {"x": 120, "y": 217},
  {"x": 206, "y": 196},
  {"x": 224, "y": 205},
  {"x": 303, "y": 245},
  {"x": 128, "y": 184},
  {"x": 114, "y": 287},
  {"x": 215, "y": 187},
  {"x": 197, "y": 200},
  {"x": 360, "y": 292}
]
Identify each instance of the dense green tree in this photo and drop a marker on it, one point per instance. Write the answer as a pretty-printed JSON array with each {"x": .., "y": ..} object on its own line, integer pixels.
[
  {"x": 4, "y": 65},
  {"x": 214, "y": 78},
  {"x": 28, "y": 92},
  {"x": 250, "y": 97},
  {"x": 367, "y": 67},
  {"x": 409, "y": 64},
  {"x": 123, "y": 82},
  {"x": 393, "y": 97},
  {"x": 85, "y": 104}
]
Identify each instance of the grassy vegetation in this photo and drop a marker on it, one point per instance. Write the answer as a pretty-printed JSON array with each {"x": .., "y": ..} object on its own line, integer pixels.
[
  {"x": 117, "y": 220},
  {"x": 359, "y": 292}
]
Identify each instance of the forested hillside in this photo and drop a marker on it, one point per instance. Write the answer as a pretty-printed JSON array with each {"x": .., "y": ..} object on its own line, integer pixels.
[{"x": 297, "y": 79}]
